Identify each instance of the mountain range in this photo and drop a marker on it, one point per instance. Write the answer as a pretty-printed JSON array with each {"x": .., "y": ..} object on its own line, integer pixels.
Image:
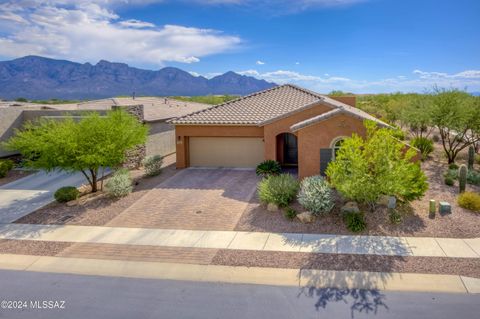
[{"x": 35, "y": 77}]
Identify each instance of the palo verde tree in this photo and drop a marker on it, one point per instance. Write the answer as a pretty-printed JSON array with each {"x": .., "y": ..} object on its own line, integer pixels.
[
  {"x": 456, "y": 114},
  {"x": 378, "y": 165},
  {"x": 88, "y": 146}
]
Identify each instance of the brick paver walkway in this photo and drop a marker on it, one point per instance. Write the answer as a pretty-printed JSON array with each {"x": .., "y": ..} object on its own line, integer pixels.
[{"x": 201, "y": 199}]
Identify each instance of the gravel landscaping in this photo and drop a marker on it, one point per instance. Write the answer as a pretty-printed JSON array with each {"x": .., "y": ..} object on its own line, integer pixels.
[
  {"x": 427, "y": 265},
  {"x": 98, "y": 209},
  {"x": 461, "y": 223}
]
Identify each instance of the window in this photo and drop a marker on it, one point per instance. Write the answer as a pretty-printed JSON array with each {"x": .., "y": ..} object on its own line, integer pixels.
[{"x": 336, "y": 146}]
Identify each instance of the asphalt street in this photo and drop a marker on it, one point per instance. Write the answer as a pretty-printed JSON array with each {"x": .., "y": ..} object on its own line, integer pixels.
[{"x": 46, "y": 295}]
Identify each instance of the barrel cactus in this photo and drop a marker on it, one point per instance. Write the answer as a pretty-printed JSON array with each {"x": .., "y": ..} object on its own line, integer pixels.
[
  {"x": 471, "y": 157},
  {"x": 462, "y": 177}
]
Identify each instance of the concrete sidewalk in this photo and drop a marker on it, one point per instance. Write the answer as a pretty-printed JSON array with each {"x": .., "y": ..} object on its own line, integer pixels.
[
  {"x": 244, "y": 275},
  {"x": 316, "y": 243},
  {"x": 30, "y": 193}
]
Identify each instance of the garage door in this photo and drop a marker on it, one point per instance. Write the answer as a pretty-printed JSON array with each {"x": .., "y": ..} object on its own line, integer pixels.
[{"x": 226, "y": 151}]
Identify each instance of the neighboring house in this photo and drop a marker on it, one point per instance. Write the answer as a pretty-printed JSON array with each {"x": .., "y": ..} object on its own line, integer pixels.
[
  {"x": 156, "y": 111},
  {"x": 292, "y": 125}
]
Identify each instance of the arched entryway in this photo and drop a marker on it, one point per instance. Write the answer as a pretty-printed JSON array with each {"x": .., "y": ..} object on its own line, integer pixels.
[{"x": 287, "y": 149}]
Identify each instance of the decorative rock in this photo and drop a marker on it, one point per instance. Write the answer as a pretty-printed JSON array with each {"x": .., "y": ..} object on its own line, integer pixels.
[
  {"x": 388, "y": 201},
  {"x": 72, "y": 203},
  {"x": 271, "y": 207},
  {"x": 350, "y": 207},
  {"x": 444, "y": 208},
  {"x": 392, "y": 202},
  {"x": 306, "y": 217}
]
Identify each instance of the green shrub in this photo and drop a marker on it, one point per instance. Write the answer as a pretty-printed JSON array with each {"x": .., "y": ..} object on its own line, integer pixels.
[
  {"x": 469, "y": 200},
  {"x": 355, "y": 222},
  {"x": 436, "y": 138},
  {"x": 119, "y": 184},
  {"x": 453, "y": 166},
  {"x": 473, "y": 177},
  {"x": 268, "y": 167},
  {"x": 315, "y": 195},
  {"x": 398, "y": 134},
  {"x": 5, "y": 167},
  {"x": 449, "y": 181},
  {"x": 278, "y": 189},
  {"x": 290, "y": 213},
  {"x": 451, "y": 173},
  {"x": 153, "y": 165},
  {"x": 366, "y": 168},
  {"x": 395, "y": 216},
  {"x": 66, "y": 194},
  {"x": 424, "y": 144}
]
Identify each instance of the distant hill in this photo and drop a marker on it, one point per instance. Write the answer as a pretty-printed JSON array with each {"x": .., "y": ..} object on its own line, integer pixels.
[{"x": 35, "y": 77}]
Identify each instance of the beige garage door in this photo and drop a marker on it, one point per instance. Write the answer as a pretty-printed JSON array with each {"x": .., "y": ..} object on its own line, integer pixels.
[{"x": 226, "y": 151}]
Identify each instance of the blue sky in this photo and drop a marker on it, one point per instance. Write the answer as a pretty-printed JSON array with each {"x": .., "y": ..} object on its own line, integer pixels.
[{"x": 361, "y": 46}]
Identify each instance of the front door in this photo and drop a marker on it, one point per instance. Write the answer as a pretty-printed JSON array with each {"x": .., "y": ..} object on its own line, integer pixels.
[{"x": 290, "y": 150}]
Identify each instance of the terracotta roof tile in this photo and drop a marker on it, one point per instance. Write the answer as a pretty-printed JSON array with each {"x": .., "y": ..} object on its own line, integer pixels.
[{"x": 270, "y": 105}]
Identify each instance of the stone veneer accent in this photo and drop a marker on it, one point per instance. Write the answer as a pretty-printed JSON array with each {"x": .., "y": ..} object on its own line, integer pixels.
[{"x": 134, "y": 157}]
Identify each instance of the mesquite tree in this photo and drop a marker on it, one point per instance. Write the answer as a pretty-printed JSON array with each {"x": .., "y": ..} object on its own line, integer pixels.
[
  {"x": 87, "y": 146},
  {"x": 456, "y": 114}
]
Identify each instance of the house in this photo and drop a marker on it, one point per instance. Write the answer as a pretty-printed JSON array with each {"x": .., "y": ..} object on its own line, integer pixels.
[
  {"x": 155, "y": 111},
  {"x": 292, "y": 125}
]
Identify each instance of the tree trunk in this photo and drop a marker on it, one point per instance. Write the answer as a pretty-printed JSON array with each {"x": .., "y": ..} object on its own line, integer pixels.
[{"x": 93, "y": 173}]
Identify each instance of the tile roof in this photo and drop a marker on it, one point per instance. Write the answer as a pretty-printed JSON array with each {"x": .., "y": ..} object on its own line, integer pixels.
[
  {"x": 339, "y": 109},
  {"x": 154, "y": 108},
  {"x": 270, "y": 105},
  {"x": 255, "y": 108}
]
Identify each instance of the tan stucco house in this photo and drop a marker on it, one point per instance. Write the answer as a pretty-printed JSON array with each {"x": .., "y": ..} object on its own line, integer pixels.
[{"x": 292, "y": 125}]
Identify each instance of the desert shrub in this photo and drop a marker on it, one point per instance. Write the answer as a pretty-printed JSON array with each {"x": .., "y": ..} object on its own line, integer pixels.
[
  {"x": 436, "y": 138},
  {"x": 268, "y": 167},
  {"x": 469, "y": 200},
  {"x": 424, "y": 144},
  {"x": 355, "y": 222},
  {"x": 66, "y": 194},
  {"x": 315, "y": 195},
  {"x": 473, "y": 177},
  {"x": 5, "y": 167},
  {"x": 153, "y": 165},
  {"x": 451, "y": 173},
  {"x": 453, "y": 166},
  {"x": 119, "y": 184},
  {"x": 290, "y": 213},
  {"x": 366, "y": 168},
  {"x": 395, "y": 216},
  {"x": 278, "y": 189},
  {"x": 449, "y": 181}
]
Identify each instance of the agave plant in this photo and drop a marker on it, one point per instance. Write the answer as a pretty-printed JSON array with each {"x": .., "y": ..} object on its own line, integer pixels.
[{"x": 268, "y": 167}]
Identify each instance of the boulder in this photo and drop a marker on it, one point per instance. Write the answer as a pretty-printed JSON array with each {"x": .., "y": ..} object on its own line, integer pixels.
[
  {"x": 350, "y": 207},
  {"x": 444, "y": 208},
  {"x": 306, "y": 217},
  {"x": 271, "y": 207},
  {"x": 388, "y": 201}
]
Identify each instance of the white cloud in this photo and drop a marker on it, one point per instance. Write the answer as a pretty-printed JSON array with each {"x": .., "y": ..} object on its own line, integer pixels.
[
  {"x": 195, "y": 74},
  {"x": 297, "y": 63},
  {"x": 421, "y": 81},
  {"x": 133, "y": 23},
  {"x": 88, "y": 31},
  {"x": 260, "y": 62}
]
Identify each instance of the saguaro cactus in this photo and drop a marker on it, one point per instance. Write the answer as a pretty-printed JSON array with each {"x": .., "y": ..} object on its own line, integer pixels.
[
  {"x": 462, "y": 177},
  {"x": 471, "y": 157}
]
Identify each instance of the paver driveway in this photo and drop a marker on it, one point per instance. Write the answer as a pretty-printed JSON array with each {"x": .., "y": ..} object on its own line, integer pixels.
[{"x": 202, "y": 199}]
